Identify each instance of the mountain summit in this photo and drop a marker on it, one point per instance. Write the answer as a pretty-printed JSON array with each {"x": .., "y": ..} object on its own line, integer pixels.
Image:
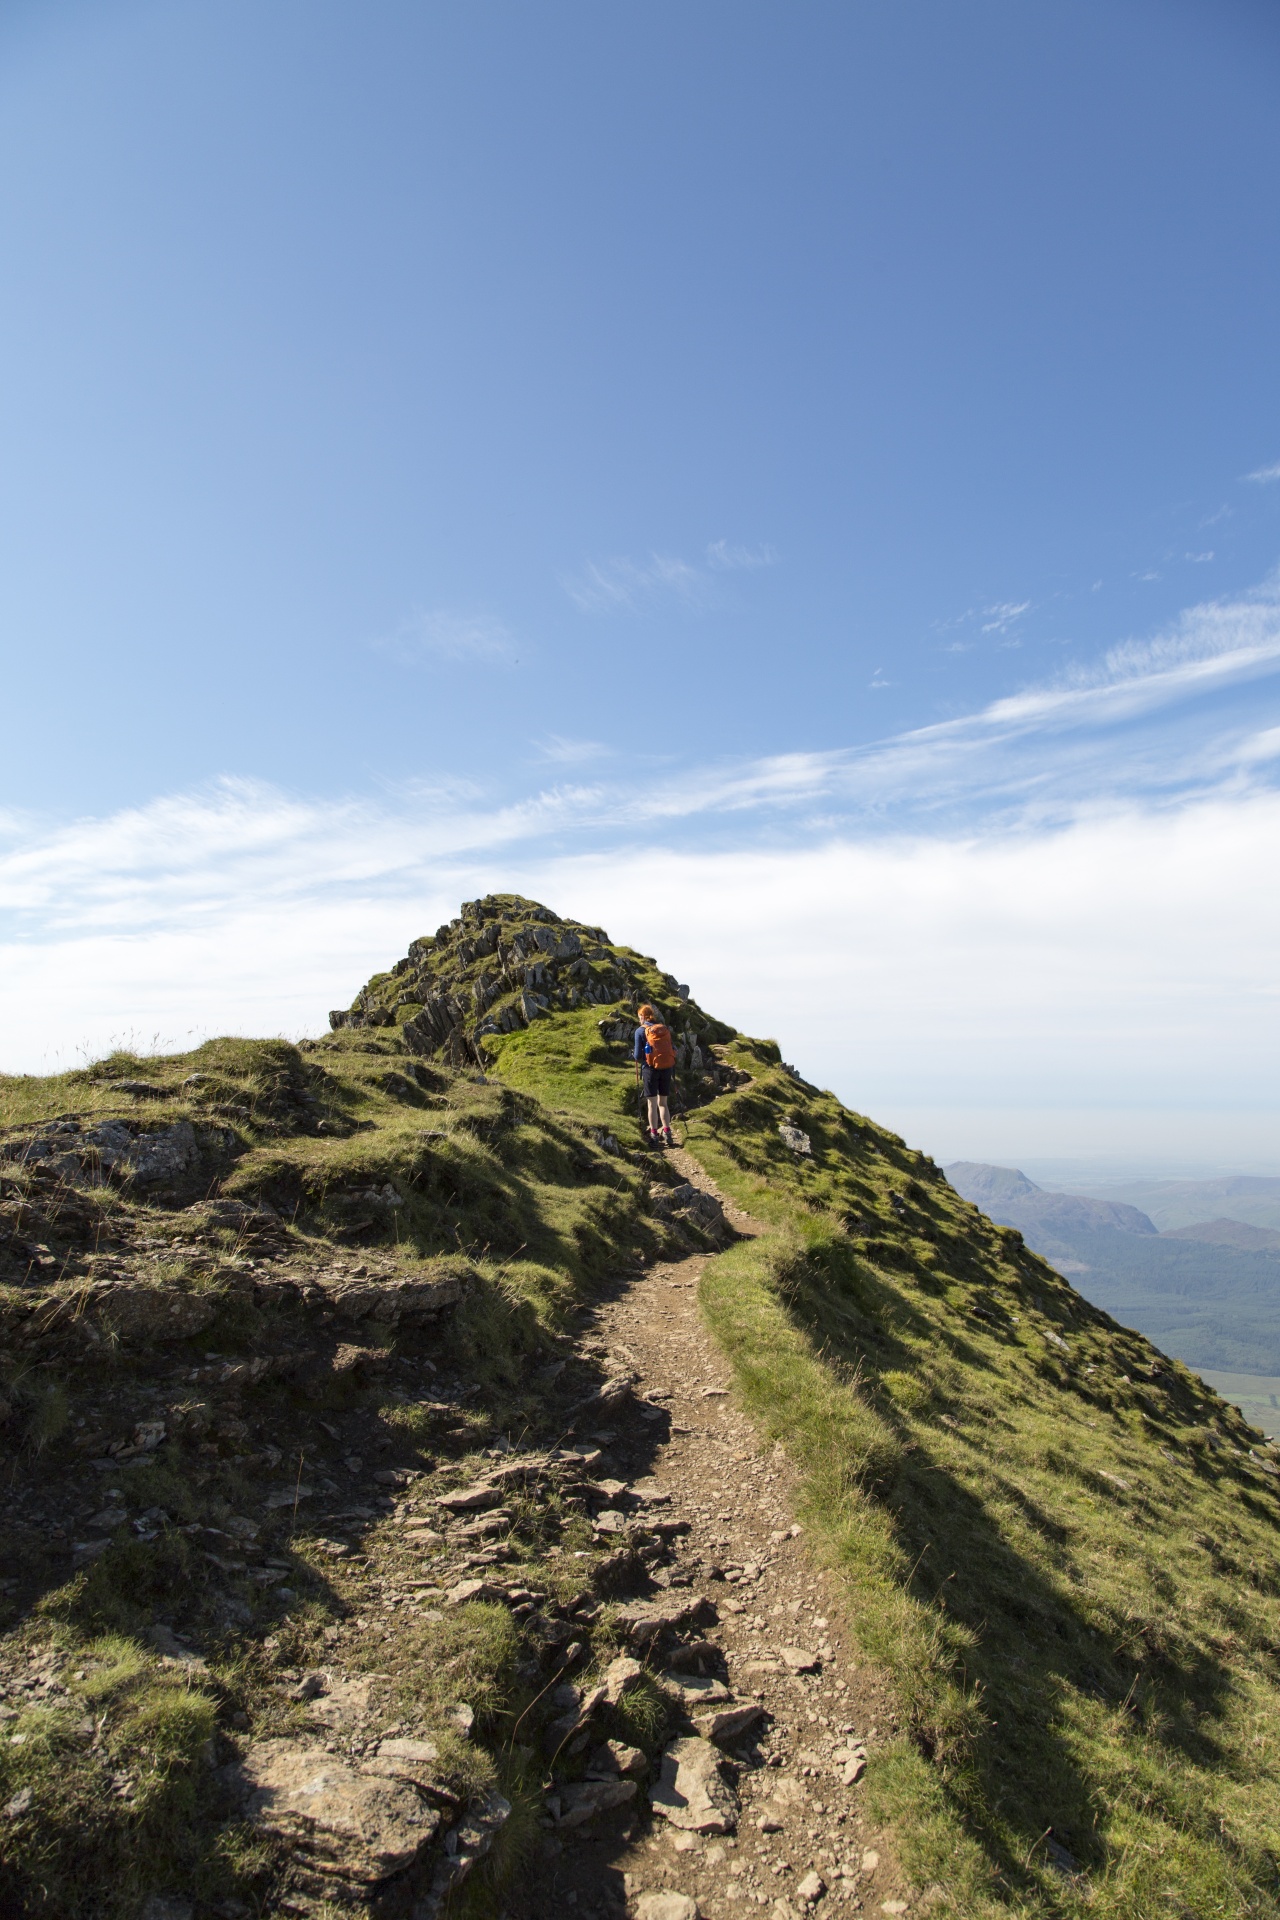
[
  {"x": 506, "y": 962},
  {"x": 390, "y": 1525}
]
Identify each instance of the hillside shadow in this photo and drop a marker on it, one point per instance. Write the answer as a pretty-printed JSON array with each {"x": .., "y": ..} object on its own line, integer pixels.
[{"x": 1019, "y": 1640}]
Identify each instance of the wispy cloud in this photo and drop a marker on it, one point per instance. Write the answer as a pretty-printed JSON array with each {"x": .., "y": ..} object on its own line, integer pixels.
[
  {"x": 1092, "y": 854},
  {"x": 724, "y": 556},
  {"x": 1055, "y": 745},
  {"x": 1001, "y": 617},
  {"x": 446, "y": 634},
  {"x": 571, "y": 753},
  {"x": 624, "y": 586},
  {"x": 1265, "y": 474},
  {"x": 1072, "y": 952}
]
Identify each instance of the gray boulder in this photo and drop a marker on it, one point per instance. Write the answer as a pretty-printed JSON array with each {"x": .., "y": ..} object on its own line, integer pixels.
[{"x": 692, "y": 1793}]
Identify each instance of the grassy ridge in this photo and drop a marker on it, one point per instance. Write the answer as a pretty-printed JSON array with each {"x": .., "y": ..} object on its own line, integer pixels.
[
  {"x": 110, "y": 1762},
  {"x": 1068, "y": 1565},
  {"x": 1061, "y": 1546}
]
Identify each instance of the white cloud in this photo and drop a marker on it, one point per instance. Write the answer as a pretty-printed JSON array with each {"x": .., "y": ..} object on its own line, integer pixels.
[
  {"x": 1055, "y": 738},
  {"x": 723, "y": 556},
  {"x": 1265, "y": 474},
  {"x": 446, "y": 634},
  {"x": 1259, "y": 747},
  {"x": 622, "y": 586},
  {"x": 1061, "y": 904},
  {"x": 1000, "y": 618},
  {"x": 1217, "y": 641},
  {"x": 1100, "y": 968},
  {"x": 566, "y": 752},
  {"x": 1119, "y": 963}
]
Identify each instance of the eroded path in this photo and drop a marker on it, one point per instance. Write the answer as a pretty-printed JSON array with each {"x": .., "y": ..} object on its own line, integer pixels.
[{"x": 801, "y": 1842}]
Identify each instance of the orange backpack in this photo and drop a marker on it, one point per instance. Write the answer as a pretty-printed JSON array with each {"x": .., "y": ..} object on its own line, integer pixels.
[{"x": 659, "y": 1045}]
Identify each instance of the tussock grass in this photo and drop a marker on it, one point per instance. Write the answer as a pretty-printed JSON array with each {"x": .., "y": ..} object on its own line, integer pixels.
[
  {"x": 1060, "y": 1546},
  {"x": 117, "y": 1778},
  {"x": 1069, "y": 1570},
  {"x": 565, "y": 1064}
]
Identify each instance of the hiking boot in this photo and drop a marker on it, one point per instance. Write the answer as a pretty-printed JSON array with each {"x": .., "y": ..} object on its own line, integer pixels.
[{"x": 668, "y": 1138}]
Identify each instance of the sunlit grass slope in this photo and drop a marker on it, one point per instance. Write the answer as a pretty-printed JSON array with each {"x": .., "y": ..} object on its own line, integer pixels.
[
  {"x": 1062, "y": 1546},
  {"x": 1060, "y": 1542}
]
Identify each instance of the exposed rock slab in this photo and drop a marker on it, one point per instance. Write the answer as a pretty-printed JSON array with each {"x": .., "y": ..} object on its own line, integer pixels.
[
  {"x": 473, "y": 1499},
  {"x": 346, "y": 1823},
  {"x": 574, "y": 1805},
  {"x": 620, "y": 1676},
  {"x": 643, "y": 1620},
  {"x": 731, "y": 1724},
  {"x": 696, "y": 1689},
  {"x": 666, "y": 1906},
  {"x": 692, "y": 1793}
]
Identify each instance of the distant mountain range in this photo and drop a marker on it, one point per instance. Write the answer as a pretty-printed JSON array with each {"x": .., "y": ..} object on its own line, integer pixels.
[
  {"x": 1227, "y": 1233},
  {"x": 1207, "y": 1290},
  {"x": 1250, "y": 1198},
  {"x": 1006, "y": 1195}
]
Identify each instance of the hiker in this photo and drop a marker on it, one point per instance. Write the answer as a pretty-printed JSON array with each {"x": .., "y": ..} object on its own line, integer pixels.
[{"x": 655, "y": 1054}]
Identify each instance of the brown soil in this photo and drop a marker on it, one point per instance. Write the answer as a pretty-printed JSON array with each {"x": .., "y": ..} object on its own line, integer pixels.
[{"x": 735, "y": 1492}]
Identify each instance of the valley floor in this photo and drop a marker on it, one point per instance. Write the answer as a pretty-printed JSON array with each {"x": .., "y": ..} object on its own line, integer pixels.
[{"x": 1256, "y": 1394}]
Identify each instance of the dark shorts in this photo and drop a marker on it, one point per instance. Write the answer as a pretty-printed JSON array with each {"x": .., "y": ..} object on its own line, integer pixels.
[{"x": 657, "y": 1080}]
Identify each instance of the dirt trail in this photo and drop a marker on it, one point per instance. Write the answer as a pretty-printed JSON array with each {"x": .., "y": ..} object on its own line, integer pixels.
[{"x": 779, "y": 1643}]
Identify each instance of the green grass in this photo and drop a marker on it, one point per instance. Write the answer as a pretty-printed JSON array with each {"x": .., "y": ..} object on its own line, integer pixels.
[
  {"x": 118, "y": 1780},
  {"x": 472, "y": 1178},
  {"x": 565, "y": 1064},
  {"x": 1076, "y": 1659},
  {"x": 1061, "y": 1550}
]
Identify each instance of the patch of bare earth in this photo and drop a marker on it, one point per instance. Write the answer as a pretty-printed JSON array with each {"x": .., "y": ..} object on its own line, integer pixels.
[{"x": 793, "y": 1713}]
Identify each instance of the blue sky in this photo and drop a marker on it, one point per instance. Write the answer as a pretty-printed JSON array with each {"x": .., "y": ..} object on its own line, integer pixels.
[{"x": 829, "y": 456}]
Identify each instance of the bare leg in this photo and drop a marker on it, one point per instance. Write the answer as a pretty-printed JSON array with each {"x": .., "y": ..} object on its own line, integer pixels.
[
  {"x": 664, "y": 1112},
  {"x": 655, "y": 1106}
]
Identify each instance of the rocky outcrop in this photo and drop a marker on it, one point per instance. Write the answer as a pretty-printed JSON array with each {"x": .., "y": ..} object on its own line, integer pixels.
[
  {"x": 687, "y": 1205},
  {"x": 82, "y": 1320},
  {"x": 393, "y": 1302},
  {"x": 506, "y": 962},
  {"x": 352, "y": 1825},
  {"x": 88, "y": 1154}
]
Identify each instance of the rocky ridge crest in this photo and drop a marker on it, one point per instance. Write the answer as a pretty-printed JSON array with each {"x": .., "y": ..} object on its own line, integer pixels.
[{"x": 505, "y": 962}]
